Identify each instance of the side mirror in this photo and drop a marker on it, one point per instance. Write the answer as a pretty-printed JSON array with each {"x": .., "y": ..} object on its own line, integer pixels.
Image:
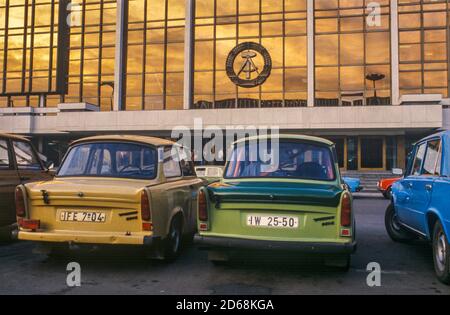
[
  {"x": 50, "y": 165},
  {"x": 397, "y": 171}
]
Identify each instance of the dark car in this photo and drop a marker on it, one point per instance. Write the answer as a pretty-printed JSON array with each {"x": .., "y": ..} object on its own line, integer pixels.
[{"x": 19, "y": 163}]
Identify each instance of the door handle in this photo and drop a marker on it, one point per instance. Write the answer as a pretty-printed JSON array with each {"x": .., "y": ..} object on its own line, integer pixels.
[
  {"x": 410, "y": 185},
  {"x": 429, "y": 187}
]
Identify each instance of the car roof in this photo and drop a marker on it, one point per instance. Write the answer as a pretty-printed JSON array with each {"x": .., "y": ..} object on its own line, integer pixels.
[
  {"x": 288, "y": 137},
  {"x": 13, "y": 137},
  {"x": 157, "y": 142},
  {"x": 442, "y": 134}
]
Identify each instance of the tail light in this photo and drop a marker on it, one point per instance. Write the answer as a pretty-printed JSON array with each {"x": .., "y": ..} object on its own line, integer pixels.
[
  {"x": 146, "y": 212},
  {"x": 20, "y": 203},
  {"x": 29, "y": 224},
  {"x": 202, "y": 206},
  {"x": 346, "y": 212}
]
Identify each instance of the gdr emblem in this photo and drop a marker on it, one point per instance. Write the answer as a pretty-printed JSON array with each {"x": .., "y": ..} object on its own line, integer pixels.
[{"x": 249, "y": 65}]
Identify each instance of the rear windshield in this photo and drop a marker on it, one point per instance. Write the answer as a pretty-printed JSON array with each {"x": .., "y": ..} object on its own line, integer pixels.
[
  {"x": 121, "y": 160},
  {"x": 286, "y": 160}
]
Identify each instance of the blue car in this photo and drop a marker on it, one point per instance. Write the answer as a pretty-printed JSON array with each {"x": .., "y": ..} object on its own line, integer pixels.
[
  {"x": 420, "y": 205},
  {"x": 354, "y": 184}
]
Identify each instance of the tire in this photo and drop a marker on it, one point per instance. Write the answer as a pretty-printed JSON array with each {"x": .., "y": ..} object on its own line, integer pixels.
[
  {"x": 396, "y": 232},
  {"x": 173, "y": 242},
  {"x": 339, "y": 262},
  {"x": 6, "y": 234},
  {"x": 441, "y": 254}
]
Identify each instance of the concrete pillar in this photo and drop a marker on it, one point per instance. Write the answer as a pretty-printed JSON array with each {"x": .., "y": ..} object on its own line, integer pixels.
[
  {"x": 189, "y": 46},
  {"x": 120, "y": 55},
  {"x": 311, "y": 64},
  {"x": 395, "y": 84}
]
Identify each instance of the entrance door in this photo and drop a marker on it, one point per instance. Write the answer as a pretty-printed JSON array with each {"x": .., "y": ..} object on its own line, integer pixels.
[{"x": 372, "y": 153}]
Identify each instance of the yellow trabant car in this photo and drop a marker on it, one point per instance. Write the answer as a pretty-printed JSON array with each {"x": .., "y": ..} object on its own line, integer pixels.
[{"x": 114, "y": 190}]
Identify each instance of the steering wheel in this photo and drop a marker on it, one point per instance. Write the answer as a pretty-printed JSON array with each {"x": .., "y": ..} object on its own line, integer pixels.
[{"x": 129, "y": 166}]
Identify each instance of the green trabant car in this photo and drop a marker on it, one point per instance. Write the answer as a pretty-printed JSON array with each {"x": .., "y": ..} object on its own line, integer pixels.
[{"x": 289, "y": 199}]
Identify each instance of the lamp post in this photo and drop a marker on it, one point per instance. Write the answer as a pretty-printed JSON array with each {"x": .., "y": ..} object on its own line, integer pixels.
[{"x": 374, "y": 77}]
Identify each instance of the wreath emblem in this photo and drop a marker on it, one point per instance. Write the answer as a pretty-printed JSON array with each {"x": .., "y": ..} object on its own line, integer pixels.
[{"x": 248, "y": 51}]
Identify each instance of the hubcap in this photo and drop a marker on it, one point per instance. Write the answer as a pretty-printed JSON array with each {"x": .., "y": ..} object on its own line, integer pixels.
[
  {"x": 395, "y": 224},
  {"x": 175, "y": 236},
  {"x": 441, "y": 251}
]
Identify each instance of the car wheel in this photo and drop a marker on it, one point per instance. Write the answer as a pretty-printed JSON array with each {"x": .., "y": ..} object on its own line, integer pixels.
[
  {"x": 441, "y": 254},
  {"x": 6, "y": 234},
  {"x": 341, "y": 262},
  {"x": 396, "y": 232},
  {"x": 172, "y": 244}
]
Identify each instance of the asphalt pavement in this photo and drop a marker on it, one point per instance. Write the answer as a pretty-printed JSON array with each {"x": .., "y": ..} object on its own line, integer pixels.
[{"x": 405, "y": 269}]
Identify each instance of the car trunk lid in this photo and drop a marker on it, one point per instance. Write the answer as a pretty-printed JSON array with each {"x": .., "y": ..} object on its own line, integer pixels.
[
  {"x": 319, "y": 194},
  {"x": 294, "y": 210},
  {"x": 87, "y": 204}
]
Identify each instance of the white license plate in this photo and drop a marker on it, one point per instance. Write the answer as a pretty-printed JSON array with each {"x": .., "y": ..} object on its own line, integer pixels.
[
  {"x": 82, "y": 216},
  {"x": 281, "y": 222}
]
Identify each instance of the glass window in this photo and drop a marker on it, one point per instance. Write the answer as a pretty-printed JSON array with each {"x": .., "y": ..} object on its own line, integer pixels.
[
  {"x": 352, "y": 153},
  {"x": 418, "y": 160},
  {"x": 423, "y": 47},
  {"x": 28, "y": 48},
  {"x": 187, "y": 166},
  {"x": 287, "y": 160},
  {"x": 25, "y": 156},
  {"x": 4, "y": 154},
  {"x": 372, "y": 156},
  {"x": 340, "y": 147},
  {"x": 171, "y": 165},
  {"x": 214, "y": 172},
  {"x": 352, "y": 53},
  {"x": 120, "y": 160},
  {"x": 201, "y": 171},
  {"x": 155, "y": 65},
  {"x": 432, "y": 157},
  {"x": 278, "y": 26},
  {"x": 439, "y": 163}
]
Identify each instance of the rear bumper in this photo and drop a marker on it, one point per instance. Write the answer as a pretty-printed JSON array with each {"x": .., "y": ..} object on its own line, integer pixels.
[
  {"x": 223, "y": 243},
  {"x": 94, "y": 238}
]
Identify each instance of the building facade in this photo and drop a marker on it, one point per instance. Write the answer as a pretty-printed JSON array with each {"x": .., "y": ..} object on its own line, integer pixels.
[{"x": 371, "y": 75}]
